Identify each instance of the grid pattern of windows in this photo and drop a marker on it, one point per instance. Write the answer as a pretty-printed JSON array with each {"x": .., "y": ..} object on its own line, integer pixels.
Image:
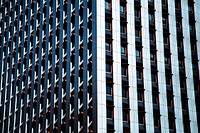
[
  {"x": 47, "y": 58},
  {"x": 55, "y": 55}
]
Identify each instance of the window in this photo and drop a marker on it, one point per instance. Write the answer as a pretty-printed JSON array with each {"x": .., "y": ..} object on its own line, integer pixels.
[
  {"x": 166, "y": 39},
  {"x": 193, "y": 46},
  {"x": 164, "y": 2},
  {"x": 108, "y": 47},
  {"x": 108, "y": 25},
  {"x": 137, "y": 12},
  {"x": 140, "y": 95},
  {"x": 177, "y": 4},
  {"x": 171, "y": 124},
  {"x": 152, "y": 36},
  {"x": 178, "y": 24},
  {"x": 124, "y": 92},
  {"x": 170, "y": 101},
  {"x": 167, "y": 59},
  {"x": 184, "y": 104},
  {"x": 165, "y": 20},
  {"x": 183, "y": 84},
  {"x": 156, "y": 121},
  {"x": 168, "y": 80},
  {"x": 109, "y": 112},
  {"x": 153, "y": 57},
  {"x": 108, "y": 68},
  {"x": 153, "y": 77},
  {"x": 139, "y": 74},
  {"x": 151, "y": 16},
  {"x": 155, "y": 98},
  {"x": 108, "y": 89},
  {"x": 125, "y": 115},
  {"x": 195, "y": 67},
  {"x": 123, "y": 50},
  {"x": 190, "y": 9},
  {"x": 181, "y": 62},
  {"x": 138, "y": 54},
  {"x": 138, "y": 33},
  {"x": 191, "y": 26},
  {"x": 180, "y": 43},
  {"x": 122, "y": 29},
  {"x": 107, "y": 5},
  {"x": 124, "y": 71},
  {"x": 141, "y": 118},
  {"x": 122, "y": 9}
]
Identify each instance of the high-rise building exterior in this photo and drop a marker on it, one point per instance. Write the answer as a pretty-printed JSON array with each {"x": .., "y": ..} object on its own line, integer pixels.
[{"x": 101, "y": 66}]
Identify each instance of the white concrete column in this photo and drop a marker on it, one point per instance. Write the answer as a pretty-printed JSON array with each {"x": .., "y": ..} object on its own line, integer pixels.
[
  {"x": 133, "y": 102},
  {"x": 175, "y": 67},
  {"x": 101, "y": 71},
  {"x": 118, "y": 119},
  {"x": 161, "y": 67},
  {"x": 147, "y": 67}
]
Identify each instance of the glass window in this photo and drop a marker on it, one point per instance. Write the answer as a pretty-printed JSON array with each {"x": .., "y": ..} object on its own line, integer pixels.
[
  {"x": 155, "y": 98},
  {"x": 124, "y": 92},
  {"x": 124, "y": 71},
  {"x": 137, "y": 33},
  {"x": 178, "y": 24},
  {"x": 108, "y": 25},
  {"x": 177, "y": 4},
  {"x": 151, "y": 17},
  {"x": 168, "y": 80},
  {"x": 152, "y": 57},
  {"x": 180, "y": 44},
  {"x": 171, "y": 124},
  {"x": 191, "y": 26},
  {"x": 190, "y": 9},
  {"x": 166, "y": 39},
  {"x": 108, "y": 68},
  {"x": 107, "y": 5},
  {"x": 194, "y": 67},
  {"x": 122, "y": 9},
  {"x": 181, "y": 63},
  {"x": 170, "y": 101},
  {"x": 125, "y": 115},
  {"x": 152, "y": 36},
  {"x": 183, "y": 84},
  {"x": 140, "y": 96},
  {"x": 138, "y": 54},
  {"x": 109, "y": 112},
  {"x": 167, "y": 60},
  {"x": 108, "y": 46},
  {"x": 164, "y": 2},
  {"x": 156, "y": 121},
  {"x": 137, "y": 12},
  {"x": 141, "y": 118},
  {"x": 123, "y": 50},
  {"x": 122, "y": 29},
  {"x": 153, "y": 77},
  {"x": 193, "y": 46},
  {"x": 108, "y": 90},
  {"x": 164, "y": 20},
  {"x": 139, "y": 74}
]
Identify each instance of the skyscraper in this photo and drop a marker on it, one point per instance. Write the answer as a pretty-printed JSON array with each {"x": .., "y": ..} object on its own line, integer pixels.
[{"x": 118, "y": 66}]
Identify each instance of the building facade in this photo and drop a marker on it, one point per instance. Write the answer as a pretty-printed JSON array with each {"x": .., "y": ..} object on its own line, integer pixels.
[{"x": 118, "y": 66}]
